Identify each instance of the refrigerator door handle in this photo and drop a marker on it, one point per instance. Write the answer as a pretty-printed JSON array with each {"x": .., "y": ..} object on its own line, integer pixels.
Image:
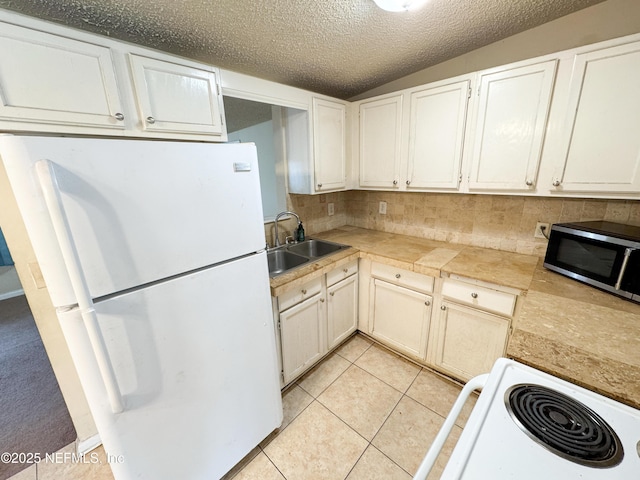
[{"x": 49, "y": 184}]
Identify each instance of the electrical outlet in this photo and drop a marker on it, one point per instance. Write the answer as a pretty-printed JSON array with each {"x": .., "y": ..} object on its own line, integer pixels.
[
  {"x": 382, "y": 209},
  {"x": 542, "y": 230},
  {"x": 330, "y": 209}
]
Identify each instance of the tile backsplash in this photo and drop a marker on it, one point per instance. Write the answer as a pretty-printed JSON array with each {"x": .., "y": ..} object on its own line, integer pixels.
[{"x": 492, "y": 221}]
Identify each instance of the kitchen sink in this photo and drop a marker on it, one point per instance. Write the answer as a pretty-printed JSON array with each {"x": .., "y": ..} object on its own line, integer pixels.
[
  {"x": 287, "y": 257},
  {"x": 313, "y": 248},
  {"x": 281, "y": 260}
]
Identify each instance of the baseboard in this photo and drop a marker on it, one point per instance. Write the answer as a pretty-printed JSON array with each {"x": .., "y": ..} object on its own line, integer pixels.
[
  {"x": 88, "y": 444},
  {"x": 14, "y": 293}
]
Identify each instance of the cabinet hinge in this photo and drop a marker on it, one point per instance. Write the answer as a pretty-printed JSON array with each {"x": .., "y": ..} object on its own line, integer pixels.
[
  {"x": 282, "y": 375},
  {"x": 279, "y": 325},
  {"x": 460, "y": 178},
  {"x": 218, "y": 88},
  {"x": 469, "y": 93}
]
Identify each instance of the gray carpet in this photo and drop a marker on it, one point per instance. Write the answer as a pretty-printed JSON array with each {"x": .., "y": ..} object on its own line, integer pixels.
[{"x": 33, "y": 415}]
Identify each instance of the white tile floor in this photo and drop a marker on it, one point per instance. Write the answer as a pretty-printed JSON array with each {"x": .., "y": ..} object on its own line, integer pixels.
[{"x": 363, "y": 413}]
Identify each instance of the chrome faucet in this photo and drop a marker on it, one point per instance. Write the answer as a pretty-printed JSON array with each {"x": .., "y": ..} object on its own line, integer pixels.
[{"x": 277, "y": 241}]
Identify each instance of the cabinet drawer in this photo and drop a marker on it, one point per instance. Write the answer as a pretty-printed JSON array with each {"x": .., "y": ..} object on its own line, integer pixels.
[
  {"x": 298, "y": 294},
  {"x": 334, "y": 276},
  {"x": 480, "y": 297},
  {"x": 405, "y": 278}
]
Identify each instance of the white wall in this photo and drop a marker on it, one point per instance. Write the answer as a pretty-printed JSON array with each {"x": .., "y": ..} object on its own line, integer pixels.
[
  {"x": 9, "y": 283},
  {"x": 273, "y": 197}
]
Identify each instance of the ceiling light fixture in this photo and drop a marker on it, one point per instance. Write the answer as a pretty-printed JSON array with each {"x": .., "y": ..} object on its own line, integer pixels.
[{"x": 399, "y": 5}]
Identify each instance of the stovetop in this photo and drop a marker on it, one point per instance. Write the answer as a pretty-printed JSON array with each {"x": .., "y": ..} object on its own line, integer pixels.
[{"x": 531, "y": 425}]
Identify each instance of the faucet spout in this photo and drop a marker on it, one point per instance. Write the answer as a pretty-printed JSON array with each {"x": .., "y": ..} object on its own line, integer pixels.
[{"x": 281, "y": 214}]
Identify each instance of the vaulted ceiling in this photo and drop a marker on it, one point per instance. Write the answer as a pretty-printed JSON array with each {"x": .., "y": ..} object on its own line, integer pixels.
[{"x": 340, "y": 48}]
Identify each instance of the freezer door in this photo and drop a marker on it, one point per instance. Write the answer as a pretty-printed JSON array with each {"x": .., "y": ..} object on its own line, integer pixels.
[
  {"x": 195, "y": 360},
  {"x": 138, "y": 210}
]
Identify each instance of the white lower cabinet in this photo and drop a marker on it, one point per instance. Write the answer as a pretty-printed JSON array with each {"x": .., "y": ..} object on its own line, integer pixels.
[
  {"x": 397, "y": 305},
  {"x": 301, "y": 336},
  {"x": 315, "y": 318},
  {"x": 342, "y": 310},
  {"x": 400, "y": 317},
  {"x": 467, "y": 340}
]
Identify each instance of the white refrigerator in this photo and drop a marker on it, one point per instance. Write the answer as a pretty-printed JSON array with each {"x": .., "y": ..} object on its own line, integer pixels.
[{"x": 153, "y": 254}]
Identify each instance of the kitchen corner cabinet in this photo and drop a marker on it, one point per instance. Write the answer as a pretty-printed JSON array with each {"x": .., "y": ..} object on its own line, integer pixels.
[
  {"x": 176, "y": 98},
  {"x": 52, "y": 80},
  {"x": 509, "y": 123},
  {"x": 315, "y": 318},
  {"x": 316, "y": 147},
  {"x": 342, "y": 305},
  {"x": 400, "y": 309},
  {"x": 471, "y": 328},
  {"x": 380, "y": 142},
  {"x": 436, "y": 136},
  {"x": 601, "y": 144}
]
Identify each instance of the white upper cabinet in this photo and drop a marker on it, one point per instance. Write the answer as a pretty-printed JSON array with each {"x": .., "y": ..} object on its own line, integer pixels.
[
  {"x": 380, "y": 142},
  {"x": 436, "y": 136},
  {"x": 172, "y": 97},
  {"x": 510, "y": 119},
  {"x": 601, "y": 136},
  {"x": 49, "y": 79},
  {"x": 329, "y": 147}
]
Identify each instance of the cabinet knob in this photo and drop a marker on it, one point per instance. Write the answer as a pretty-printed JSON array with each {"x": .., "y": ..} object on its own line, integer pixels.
[
  {"x": 322, "y": 300},
  {"x": 119, "y": 116},
  {"x": 408, "y": 182},
  {"x": 556, "y": 183},
  {"x": 304, "y": 291},
  {"x": 151, "y": 120},
  {"x": 427, "y": 303},
  {"x": 319, "y": 185},
  {"x": 528, "y": 183},
  {"x": 332, "y": 293},
  {"x": 442, "y": 307},
  {"x": 395, "y": 182},
  {"x": 474, "y": 295},
  {"x": 345, "y": 270},
  {"x": 397, "y": 275}
]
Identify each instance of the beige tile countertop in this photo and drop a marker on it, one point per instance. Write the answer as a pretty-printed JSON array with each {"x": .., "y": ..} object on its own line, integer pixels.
[{"x": 565, "y": 328}]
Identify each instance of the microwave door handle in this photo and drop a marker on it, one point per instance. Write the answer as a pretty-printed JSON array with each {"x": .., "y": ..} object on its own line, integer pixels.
[{"x": 627, "y": 253}]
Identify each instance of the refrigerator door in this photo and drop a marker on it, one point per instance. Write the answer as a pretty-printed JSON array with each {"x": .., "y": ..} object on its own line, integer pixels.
[
  {"x": 196, "y": 363},
  {"x": 139, "y": 211}
]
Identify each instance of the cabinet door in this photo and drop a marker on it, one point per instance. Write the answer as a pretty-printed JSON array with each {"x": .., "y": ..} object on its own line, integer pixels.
[
  {"x": 342, "y": 310},
  {"x": 436, "y": 136},
  {"x": 329, "y": 129},
  {"x": 400, "y": 317},
  {"x": 301, "y": 336},
  {"x": 380, "y": 140},
  {"x": 176, "y": 98},
  {"x": 510, "y": 122},
  {"x": 601, "y": 140},
  {"x": 468, "y": 341},
  {"x": 55, "y": 80}
]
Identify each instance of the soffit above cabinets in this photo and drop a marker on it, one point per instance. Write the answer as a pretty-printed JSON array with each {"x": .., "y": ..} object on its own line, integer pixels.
[{"x": 341, "y": 48}]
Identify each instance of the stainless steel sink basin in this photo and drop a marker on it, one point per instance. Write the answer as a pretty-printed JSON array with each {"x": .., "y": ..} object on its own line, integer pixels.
[
  {"x": 313, "y": 248},
  {"x": 281, "y": 260},
  {"x": 288, "y": 257}
]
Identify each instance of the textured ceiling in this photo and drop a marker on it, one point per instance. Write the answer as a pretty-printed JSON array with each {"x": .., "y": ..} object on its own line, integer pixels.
[{"x": 338, "y": 47}]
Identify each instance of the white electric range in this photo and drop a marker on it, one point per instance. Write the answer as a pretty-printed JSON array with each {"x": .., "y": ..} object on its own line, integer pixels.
[{"x": 530, "y": 425}]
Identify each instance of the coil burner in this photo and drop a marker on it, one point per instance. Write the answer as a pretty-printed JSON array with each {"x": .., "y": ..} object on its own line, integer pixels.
[{"x": 564, "y": 426}]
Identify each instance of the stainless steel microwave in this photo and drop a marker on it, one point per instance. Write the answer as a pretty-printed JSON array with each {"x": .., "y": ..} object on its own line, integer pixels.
[{"x": 605, "y": 255}]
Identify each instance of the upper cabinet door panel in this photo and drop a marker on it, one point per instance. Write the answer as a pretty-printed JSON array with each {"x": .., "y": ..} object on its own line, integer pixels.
[
  {"x": 601, "y": 138},
  {"x": 380, "y": 137},
  {"x": 510, "y": 122},
  {"x": 176, "y": 98},
  {"x": 49, "y": 79},
  {"x": 329, "y": 131},
  {"x": 436, "y": 136}
]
